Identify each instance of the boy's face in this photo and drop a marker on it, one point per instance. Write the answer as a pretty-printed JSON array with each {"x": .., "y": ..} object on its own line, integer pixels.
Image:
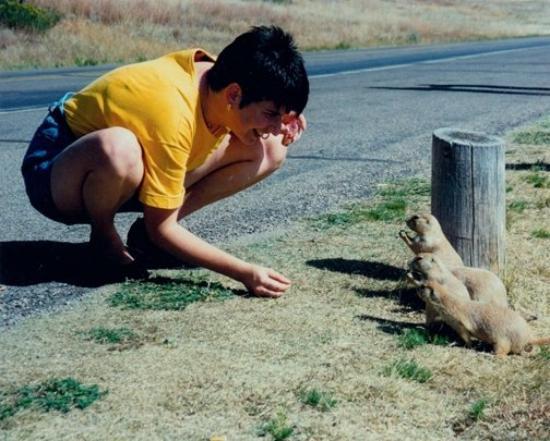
[{"x": 256, "y": 120}]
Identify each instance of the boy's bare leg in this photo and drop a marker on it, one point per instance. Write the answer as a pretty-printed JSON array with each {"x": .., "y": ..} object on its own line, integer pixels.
[
  {"x": 230, "y": 169},
  {"x": 96, "y": 175}
]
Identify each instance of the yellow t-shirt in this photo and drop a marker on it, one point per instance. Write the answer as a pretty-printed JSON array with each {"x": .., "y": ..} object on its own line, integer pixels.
[{"x": 159, "y": 102}]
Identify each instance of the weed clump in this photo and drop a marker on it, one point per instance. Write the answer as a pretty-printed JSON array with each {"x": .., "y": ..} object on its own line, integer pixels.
[
  {"x": 408, "y": 369},
  {"x": 167, "y": 294},
  {"x": 411, "y": 338},
  {"x": 110, "y": 336},
  {"x": 57, "y": 394},
  {"x": 537, "y": 180},
  {"x": 517, "y": 206},
  {"x": 277, "y": 427},
  {"x": 544, "y": 353},
  {"x": 318, "y": 399},
  {"x": 477, "y": 410},
  {"x": 541, "y": 233}
]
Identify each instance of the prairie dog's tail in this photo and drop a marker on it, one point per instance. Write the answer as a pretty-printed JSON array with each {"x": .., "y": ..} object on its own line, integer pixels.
[{"x": 540, "y": 341}]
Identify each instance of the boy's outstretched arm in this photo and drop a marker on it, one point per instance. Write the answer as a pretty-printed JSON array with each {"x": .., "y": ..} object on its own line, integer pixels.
[{"x": 165, "y": 232}]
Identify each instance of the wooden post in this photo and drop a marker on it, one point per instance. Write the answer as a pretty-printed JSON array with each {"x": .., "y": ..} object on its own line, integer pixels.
[{"x": 468, "y": 195}]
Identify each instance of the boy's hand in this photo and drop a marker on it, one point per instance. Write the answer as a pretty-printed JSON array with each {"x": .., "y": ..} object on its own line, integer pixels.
[
  {"x": 265, "y": 282},
  {"x": 294, "y": 126}
]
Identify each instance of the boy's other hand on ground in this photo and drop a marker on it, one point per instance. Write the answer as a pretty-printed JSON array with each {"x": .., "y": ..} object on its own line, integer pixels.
[
  {"x": 265, "y": 282},
  {"x": 294, "y": 126}
]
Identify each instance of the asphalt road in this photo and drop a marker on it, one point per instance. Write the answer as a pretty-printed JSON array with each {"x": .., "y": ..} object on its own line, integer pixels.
[{"x": 371, "y": 115}]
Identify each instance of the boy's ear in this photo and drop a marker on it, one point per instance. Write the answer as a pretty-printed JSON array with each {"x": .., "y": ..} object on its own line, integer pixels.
[{"x": 233, "y": 94}]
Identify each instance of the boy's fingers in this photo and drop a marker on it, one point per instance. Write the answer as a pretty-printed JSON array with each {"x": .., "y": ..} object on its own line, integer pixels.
[
  {"x": 288, "y": 117},
  {"x": 279, "y": 277},
  {"x": 267, "y": 293}
]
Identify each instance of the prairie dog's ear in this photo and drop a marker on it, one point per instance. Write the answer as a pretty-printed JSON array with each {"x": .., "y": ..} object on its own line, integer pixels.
[
  {"x": 434, "y": 221},
  {"x": 411, "y": 263}
]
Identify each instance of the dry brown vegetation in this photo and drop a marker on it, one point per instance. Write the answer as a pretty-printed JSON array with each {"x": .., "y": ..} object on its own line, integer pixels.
[
  {"x": 226, "y": 368},
  {"x": 102, "y": 31}
]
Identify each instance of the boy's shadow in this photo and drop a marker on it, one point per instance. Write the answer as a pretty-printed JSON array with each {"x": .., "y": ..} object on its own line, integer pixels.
[{"x": 24, "y": 263}]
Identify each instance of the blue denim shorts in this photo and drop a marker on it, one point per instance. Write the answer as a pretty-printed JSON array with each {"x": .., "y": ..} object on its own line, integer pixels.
[{"x": 50, "y": 139}]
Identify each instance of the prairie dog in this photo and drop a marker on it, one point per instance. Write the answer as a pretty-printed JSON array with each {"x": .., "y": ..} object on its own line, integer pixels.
[
  {"x": 426, "y": 267},
  {"x": 430, "y": 239},
  {"x": 480, "y": 285},
  {"x": 502, "y": 327},
  {"x": 483, "y": 285}
]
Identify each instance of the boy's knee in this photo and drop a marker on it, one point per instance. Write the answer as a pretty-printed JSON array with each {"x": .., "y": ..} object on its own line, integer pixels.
[{"x": 120, "y": 150}]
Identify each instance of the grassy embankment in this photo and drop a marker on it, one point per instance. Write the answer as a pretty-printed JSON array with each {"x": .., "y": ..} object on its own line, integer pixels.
[
  {"x": 97, "y": 32},
  {"x": 343, "y": 355}
]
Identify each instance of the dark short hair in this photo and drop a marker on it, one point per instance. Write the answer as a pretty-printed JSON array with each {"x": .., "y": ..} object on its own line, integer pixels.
[{"x": 267, "y": 65}]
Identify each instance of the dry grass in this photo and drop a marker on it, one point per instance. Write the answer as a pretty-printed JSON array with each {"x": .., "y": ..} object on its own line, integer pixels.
[
  {"x": 528, "y": 273},
  {"x": 229, "y": 368},
  {"x": 100, "y": 31}
]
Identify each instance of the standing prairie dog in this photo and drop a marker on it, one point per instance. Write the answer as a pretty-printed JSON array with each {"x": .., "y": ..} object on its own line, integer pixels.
[
  {"x": 470, "y": 283},
  {"x": 502, "y": 327},
  {"x": 425, "y": 267},
  {"x": 430, "y": 239}
]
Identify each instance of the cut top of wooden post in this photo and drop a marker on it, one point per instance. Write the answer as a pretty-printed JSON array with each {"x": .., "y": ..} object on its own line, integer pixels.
[{"x": 463, "y": 137}]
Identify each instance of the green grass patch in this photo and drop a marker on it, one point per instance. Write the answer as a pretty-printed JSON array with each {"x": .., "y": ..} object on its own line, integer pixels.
[
  {"x": 387, "y": 211},
  {"x": 167, "y": 294},
  {"x": 544, "y": 353},
  {"x": 353, "y": 215},
  {"x": 408, "y": 369},
  {"x": 57, "y": 394},
  {"x": 343, "y": 45},
  {"x": 277, "y": 427},
  {"x": 518, "y": 206},
  {"x": 540, "y": 233},
  {"x": 477, "y": 410},
  {"x": 532, "y": 137},
  {"x": 17, "y": 15},
  {"x": 391, "y": 206},
  {"x": 82, "y": 62},
  {"x": 411, "y": 338},
  {"x": 318, "y": 399},
  {"x": 391, "y": 210},
  {"x": 404, "y": 189},
  {"x": 537, "y": 180},
  {"x": 110, "y": 336}
]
